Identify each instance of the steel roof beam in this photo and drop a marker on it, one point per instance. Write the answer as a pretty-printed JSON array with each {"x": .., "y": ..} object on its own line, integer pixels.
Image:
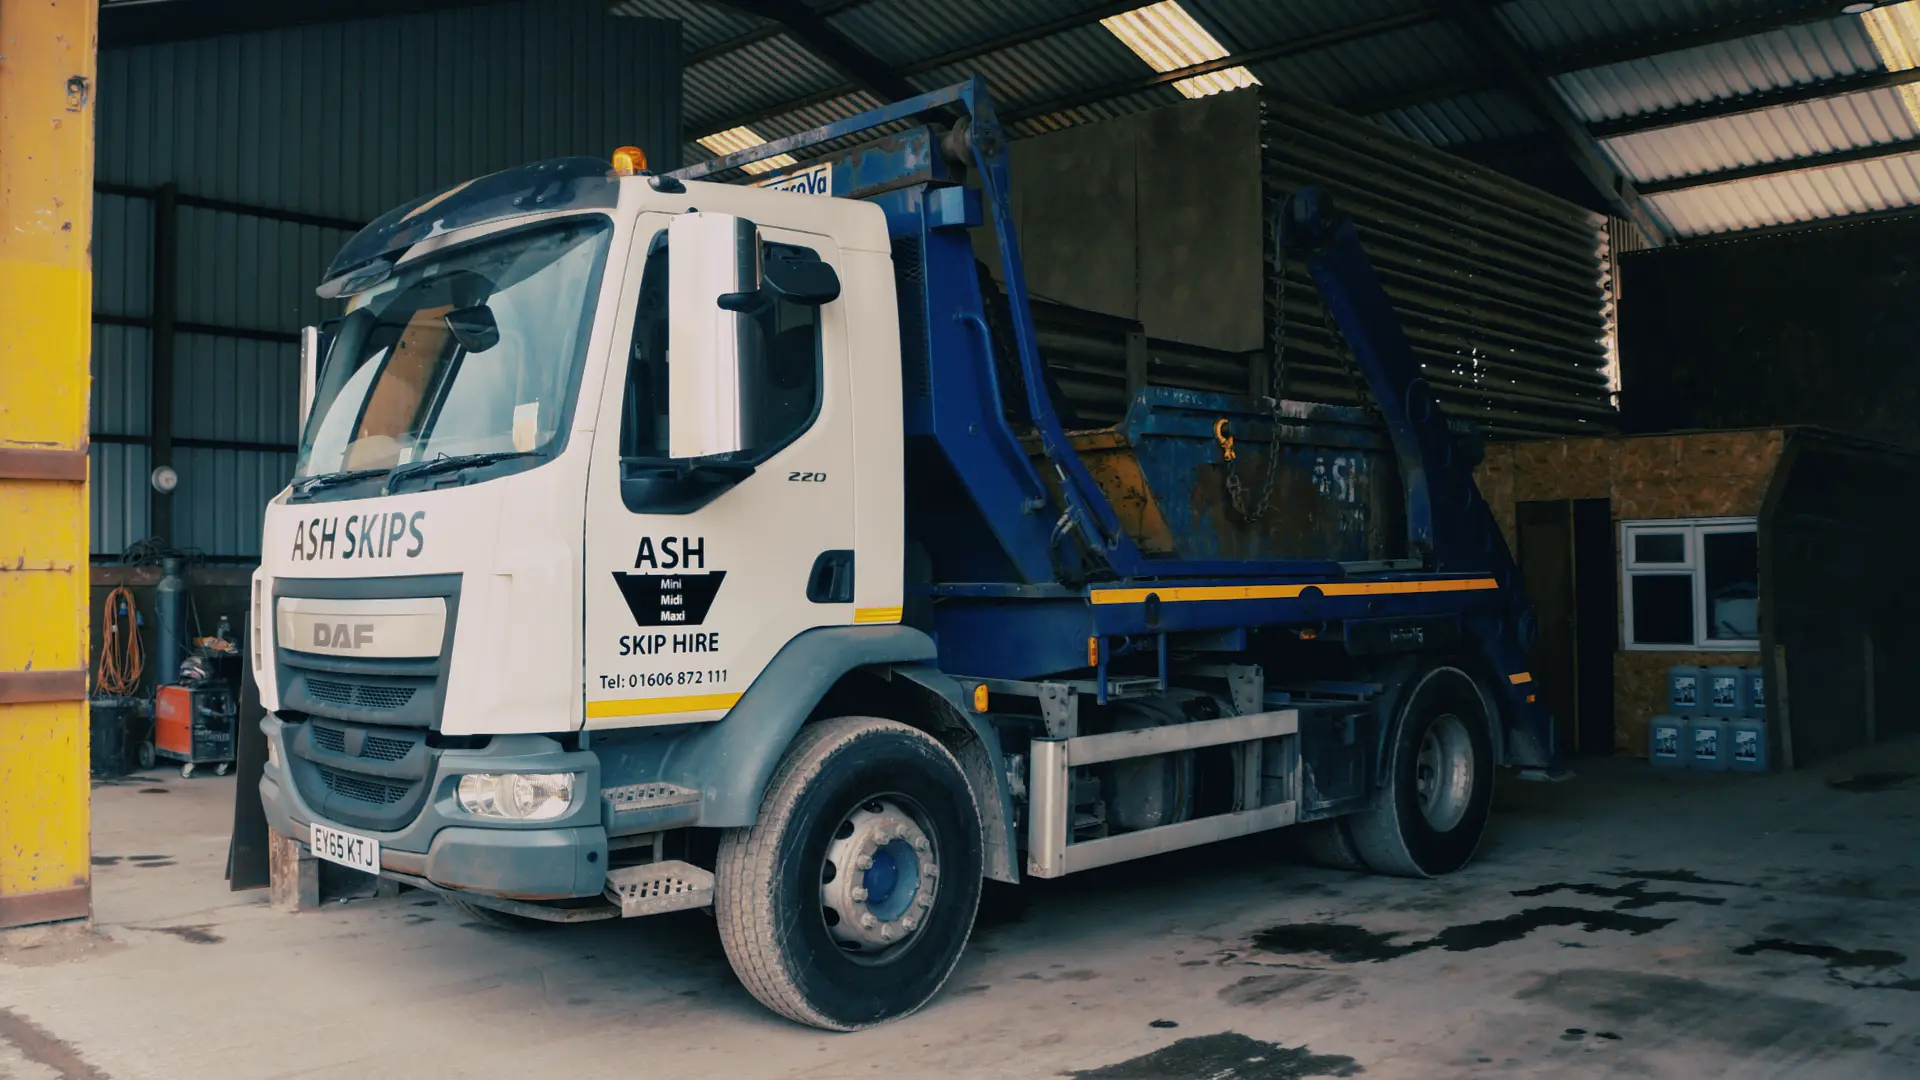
[
  {"x": 1512, "y": 66},
  {"x": 812, "y": 31},
  {"x": 1785, "y": 165},
  {"x": 732, "y": 44},
  {"x": 1085, "y": 18},
  {"x": 1793, "y": 14},
  {"x": 1562, "y": 63}
]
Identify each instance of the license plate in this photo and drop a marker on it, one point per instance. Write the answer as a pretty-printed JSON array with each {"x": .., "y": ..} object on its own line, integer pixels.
[{"x": 359, "y": 852}]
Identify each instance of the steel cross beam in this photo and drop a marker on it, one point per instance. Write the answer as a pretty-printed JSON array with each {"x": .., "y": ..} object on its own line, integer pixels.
[
  {"x": 1784, "y": 165},
  {"x": 1571, "y": 131},
  {"x": 806, "y": 26},
  {"x": 1385, "y": 24}
]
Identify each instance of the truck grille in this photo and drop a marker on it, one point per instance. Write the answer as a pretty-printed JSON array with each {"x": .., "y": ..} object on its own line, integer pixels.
[
  {"x": 379, "y": 749},
  {"x": 360, "y": 775},
  {"x": 361, "y": 788},
  {"x": 358, "y": 695},
  {"x": 372, "y": 747}
]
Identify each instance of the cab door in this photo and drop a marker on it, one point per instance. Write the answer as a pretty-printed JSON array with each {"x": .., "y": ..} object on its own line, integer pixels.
[{"x": 699, "y": 571}]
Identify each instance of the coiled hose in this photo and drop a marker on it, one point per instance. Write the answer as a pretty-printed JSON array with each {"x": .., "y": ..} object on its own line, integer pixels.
[{"x": 121, "y": 661}]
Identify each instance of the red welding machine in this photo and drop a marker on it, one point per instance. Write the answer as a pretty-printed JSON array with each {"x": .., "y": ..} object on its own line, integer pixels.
[{"x": 194, "y": 725}]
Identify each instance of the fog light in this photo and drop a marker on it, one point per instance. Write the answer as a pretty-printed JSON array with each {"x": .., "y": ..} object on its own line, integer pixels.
[
  {"x": 273, "y": 753},
  {"x": 517, "y": 796}
]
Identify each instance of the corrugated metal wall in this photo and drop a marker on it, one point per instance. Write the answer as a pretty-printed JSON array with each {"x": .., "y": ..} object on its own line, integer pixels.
[
  {"x": 1160, "y": 225},
  {"x": 275, "y": 142},
  {"x": 1504, "y": 291}
]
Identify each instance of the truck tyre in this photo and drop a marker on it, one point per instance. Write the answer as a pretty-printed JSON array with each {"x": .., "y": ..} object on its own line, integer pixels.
[
  {"x": 1326, "y": 843},
  {"x": 1427, "y": 817},
  {"x": 848, "y": 902}
]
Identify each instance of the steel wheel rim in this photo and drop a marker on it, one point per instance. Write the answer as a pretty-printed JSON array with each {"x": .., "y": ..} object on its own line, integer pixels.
[
  {"x": 879, "y": 879},
  {"x": 1443, "y": 772}
]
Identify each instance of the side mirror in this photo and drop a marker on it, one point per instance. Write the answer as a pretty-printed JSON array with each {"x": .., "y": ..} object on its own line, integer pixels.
[
  {"x": 474, "y": 327},
  {"x": 801, "y": 279},
  {"x": 713, "y": 269},
  {"x": 314, "y": 343}
]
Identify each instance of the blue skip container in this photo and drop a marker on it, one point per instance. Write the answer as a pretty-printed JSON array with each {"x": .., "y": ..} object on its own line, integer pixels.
[
  {"x": 1707, "y": 743},
  {"x": 1747, "y": 745},
  {"x": 1686, "y": 692},
  {"x": 1667, "y": 742}
]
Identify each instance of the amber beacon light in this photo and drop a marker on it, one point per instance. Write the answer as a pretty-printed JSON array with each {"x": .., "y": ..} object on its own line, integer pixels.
[{"x": 629, "y": 160}]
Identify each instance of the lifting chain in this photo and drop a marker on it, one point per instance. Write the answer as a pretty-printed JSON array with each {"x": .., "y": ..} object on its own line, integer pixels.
[{"x": 1276, "y": 389}]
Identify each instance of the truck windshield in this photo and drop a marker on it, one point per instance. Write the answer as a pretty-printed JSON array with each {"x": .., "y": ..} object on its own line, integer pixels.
[{"x": 473, "y": 352}]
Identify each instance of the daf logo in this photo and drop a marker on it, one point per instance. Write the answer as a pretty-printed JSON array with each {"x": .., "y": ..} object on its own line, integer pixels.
[{"x": 342, "y": 635}]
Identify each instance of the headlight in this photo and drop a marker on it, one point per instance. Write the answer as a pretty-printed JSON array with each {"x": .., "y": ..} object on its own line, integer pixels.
[{"x": 517, "y": 796}]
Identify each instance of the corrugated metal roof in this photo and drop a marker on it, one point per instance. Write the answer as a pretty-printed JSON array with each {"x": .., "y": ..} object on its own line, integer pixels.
[
  {"x": 904, "y": 32},
  {"x": 753, "y": 77},
  {"x": 1788, "y": 57},
  {"x": 1354, "y": 71},
  {"x": 1249, "y": 24},
  {"x": 1482, "y": 116},
  {"x": 1839, "y": 123},
  {"x": 1808, "y": 43},
  {"x": 1556, "y": 26},
  {"x": 704, "y": 25},
  {"x": 1048, "y": 69},
  {"x": 1860, "y": 187}
]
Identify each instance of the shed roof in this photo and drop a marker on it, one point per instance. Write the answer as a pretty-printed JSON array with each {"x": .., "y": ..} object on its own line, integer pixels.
[{"x": 1711, "y": 115}]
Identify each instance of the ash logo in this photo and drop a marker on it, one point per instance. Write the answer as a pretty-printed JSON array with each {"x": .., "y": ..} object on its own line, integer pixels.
[{"x": 672, "y": 593}]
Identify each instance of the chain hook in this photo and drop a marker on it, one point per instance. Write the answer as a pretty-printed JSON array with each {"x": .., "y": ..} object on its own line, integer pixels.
[{"x": 1223, "y": 434}]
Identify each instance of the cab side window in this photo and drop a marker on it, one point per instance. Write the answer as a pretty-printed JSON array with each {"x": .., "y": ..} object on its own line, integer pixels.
[{"x": 780, "y": 367}]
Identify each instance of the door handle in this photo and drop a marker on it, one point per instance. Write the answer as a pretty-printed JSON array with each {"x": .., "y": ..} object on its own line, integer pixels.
[{"x": 831, "y": 580}]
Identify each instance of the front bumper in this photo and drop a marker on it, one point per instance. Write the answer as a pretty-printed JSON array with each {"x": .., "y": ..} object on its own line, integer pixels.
[{"x": 445, "y": 845}]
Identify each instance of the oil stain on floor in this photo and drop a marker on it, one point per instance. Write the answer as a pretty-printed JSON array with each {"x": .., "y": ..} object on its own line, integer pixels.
[
  {"x": 1343, "y": 943},
  {"x": 1632, "y": 895},
  {"x": 1226, "y": 1056},
  {"x": 1840, "y": 961}
]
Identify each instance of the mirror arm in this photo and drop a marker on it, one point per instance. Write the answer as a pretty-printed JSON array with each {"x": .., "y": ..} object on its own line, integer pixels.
[{"x": 745, "y": 303}]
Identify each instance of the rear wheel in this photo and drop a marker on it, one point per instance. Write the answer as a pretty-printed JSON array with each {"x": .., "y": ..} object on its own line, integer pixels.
[
  {"x": 848, "y": 902},
  {"x": 1430, "y": 812},
  {"x": 1326, "y": 843}
]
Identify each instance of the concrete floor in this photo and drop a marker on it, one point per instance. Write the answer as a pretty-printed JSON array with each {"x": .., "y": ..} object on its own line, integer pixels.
[{"x": 1629, "y": 923}]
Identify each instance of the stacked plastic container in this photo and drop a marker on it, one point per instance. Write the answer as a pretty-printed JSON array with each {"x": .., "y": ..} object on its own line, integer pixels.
[
  {"x": 1715, "y": 720},
  {"x": 1668, "y": 742},
  {"x": 1747, "y": 736}
]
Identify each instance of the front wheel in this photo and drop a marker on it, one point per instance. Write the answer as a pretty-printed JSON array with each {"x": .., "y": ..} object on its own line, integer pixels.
[
  {"x": 848, "y": 902},
  {"x": 1431, "y": 809}
]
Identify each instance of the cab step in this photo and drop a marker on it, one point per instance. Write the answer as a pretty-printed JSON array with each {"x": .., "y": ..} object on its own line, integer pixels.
[
  {"x": 637, "y": 808},
  {"x": 655, "y": 888}
]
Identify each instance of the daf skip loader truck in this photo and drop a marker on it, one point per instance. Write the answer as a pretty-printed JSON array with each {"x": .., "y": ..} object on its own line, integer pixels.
[{"x": 659, "y": 543}]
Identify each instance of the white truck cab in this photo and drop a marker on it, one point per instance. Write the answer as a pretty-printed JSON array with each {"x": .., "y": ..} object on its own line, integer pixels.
[{"x": 657, "y": 544}]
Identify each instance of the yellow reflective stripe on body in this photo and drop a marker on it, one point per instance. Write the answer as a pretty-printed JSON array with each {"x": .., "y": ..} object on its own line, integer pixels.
[
  {"x": 876, "y": 614},
  {"x": 654, "y": 706},
  {"x": 1520, "y": 677},
  {"x": 1180, "y": 593}
]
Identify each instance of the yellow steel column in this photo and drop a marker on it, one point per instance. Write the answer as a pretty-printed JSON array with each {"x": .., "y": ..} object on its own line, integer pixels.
[{"x": 46, "y": 282}]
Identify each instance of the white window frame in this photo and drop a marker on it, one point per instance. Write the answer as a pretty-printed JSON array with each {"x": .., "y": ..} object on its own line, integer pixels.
[{"x": 1692, "y": 564}]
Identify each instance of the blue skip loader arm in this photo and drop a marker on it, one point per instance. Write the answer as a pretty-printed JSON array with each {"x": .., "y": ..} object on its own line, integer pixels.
[
  {"x": 1450, "y": 529},
  {"x": 1449, "y": 525},
  {"x": 903, "y": 177}
]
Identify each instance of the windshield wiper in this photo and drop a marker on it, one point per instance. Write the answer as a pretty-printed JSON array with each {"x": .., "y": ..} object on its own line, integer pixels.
[
  {"x": 306, "y": 487},
  {"x": 455, "y": 463}
]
